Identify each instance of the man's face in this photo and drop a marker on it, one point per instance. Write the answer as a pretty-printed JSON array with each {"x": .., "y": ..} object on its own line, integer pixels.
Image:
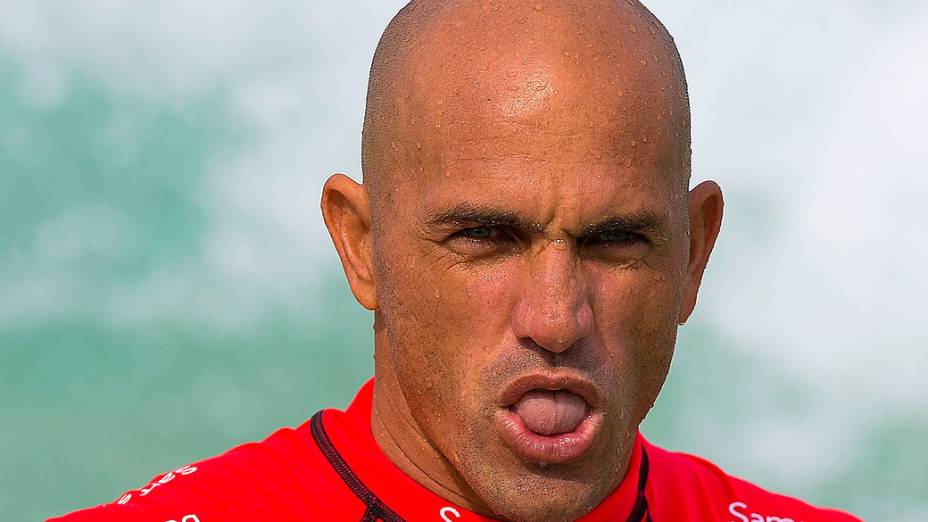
[
  {"x": 524, "y": 263},
  {"x": 530, "y": 251}
]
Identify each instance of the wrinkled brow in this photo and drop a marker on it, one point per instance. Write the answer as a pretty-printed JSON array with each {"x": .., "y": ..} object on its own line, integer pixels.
[{"x": 465, "y": 215}]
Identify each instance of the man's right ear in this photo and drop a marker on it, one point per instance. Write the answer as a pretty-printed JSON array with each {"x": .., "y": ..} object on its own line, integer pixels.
[{"x": 347, "y": 214}]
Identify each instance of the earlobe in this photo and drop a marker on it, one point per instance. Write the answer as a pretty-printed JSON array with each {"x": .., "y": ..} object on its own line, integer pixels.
[
  {"x": 346, "y": 211},
  {"x": 705, "y": 213}
]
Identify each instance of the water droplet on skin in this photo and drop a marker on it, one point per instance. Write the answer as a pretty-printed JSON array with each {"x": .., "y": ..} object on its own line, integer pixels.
[
  {"x": 539, "y": 7},
  {"x": 628, "y": 163},
  {"x": 644, "y": 62},
  {"x": 632, "y": 28},
  {"x": 621, "y": 93},
  {"x": 634, "y": 143},
  {"x": 437, "y": 294}
]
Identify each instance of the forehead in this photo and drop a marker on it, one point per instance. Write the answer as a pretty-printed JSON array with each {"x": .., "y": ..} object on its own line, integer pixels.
[
  {"x": 542, "y": 104},
  {"x": 551, "y": 86},
  {"x": 567, "y": 195},
  {"x": 549, "y": 137}
]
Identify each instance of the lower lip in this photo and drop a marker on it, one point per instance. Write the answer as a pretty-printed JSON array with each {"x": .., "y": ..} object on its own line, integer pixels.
[{"x": 547, "y": 449}]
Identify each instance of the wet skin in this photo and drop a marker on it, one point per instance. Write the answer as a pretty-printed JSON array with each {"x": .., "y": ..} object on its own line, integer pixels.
[{"x": 524, "y": 215}]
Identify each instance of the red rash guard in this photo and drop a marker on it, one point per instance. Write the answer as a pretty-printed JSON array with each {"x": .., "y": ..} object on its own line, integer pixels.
[{"x": 331, "y": 468}]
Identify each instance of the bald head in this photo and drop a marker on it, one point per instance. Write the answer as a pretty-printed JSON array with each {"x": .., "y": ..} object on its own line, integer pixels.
[{"x": 555, "y": 81}]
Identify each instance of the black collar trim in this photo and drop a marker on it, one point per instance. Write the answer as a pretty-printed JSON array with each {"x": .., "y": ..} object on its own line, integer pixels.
[{"x": 377, "y": 511}]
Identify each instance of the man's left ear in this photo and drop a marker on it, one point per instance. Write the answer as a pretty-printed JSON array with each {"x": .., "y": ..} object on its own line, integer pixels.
[{"x": 705, "y": 208}]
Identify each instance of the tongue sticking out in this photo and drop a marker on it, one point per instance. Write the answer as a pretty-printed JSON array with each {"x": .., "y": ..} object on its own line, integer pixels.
[{"x": 550, "y": 412}]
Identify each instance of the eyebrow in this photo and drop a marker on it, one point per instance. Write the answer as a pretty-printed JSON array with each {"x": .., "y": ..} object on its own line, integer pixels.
[
  {"x": 465, "y": 214},
  {"x": 468, "y": 214},
  {"x": 642, "y": 222}
]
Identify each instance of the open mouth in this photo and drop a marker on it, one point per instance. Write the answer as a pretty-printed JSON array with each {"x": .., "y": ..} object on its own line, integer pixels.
[
  {"x": 550, "y": 412},
  {"x": 546, "y": 419}
]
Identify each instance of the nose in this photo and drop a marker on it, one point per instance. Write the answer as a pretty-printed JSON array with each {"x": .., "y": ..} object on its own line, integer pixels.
[{"x": 553, "y": 308}]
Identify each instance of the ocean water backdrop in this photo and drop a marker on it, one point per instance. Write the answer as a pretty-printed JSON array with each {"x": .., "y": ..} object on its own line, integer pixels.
[{"x": 167, "y": 289}]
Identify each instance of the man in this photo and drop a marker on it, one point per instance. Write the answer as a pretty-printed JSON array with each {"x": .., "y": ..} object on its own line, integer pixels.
[{"x": 528, "y": 244}]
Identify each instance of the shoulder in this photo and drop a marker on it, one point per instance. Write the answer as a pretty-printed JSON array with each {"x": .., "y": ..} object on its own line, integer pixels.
[
  {"x": 284, "y": 477},
  {"x": 684, "y": 485}
]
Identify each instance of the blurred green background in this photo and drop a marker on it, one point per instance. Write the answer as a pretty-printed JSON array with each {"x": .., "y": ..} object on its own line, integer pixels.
[{"x": 167, "y": 289}]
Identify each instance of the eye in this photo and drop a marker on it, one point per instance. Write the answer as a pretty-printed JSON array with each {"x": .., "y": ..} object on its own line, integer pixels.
[
  {"x": 613, "y": 238},
  {"x": 616, "y": 247},
  {"x": 482, "y": 241},
  {"x": 481, "y": 233}
]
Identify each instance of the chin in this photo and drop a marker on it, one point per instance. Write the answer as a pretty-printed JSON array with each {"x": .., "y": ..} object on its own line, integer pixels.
[
  {"x": 531, "y": 494},
  {"x": 547, "y": 506}
]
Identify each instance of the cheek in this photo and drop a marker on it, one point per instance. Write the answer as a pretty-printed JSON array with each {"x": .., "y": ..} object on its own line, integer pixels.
[
  {"x": 633, "y": 302},
  {"x": 445, "y": 326},
  {"x": 635, "y": 315},
  {"x": 452, "y": 317}
]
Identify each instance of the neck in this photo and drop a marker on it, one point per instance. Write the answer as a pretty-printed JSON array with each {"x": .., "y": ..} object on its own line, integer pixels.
[{"x": 403, "y": 441}]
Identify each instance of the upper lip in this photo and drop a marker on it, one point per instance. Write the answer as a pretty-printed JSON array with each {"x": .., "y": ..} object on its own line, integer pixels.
[{"x": 549, "y": 381}]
